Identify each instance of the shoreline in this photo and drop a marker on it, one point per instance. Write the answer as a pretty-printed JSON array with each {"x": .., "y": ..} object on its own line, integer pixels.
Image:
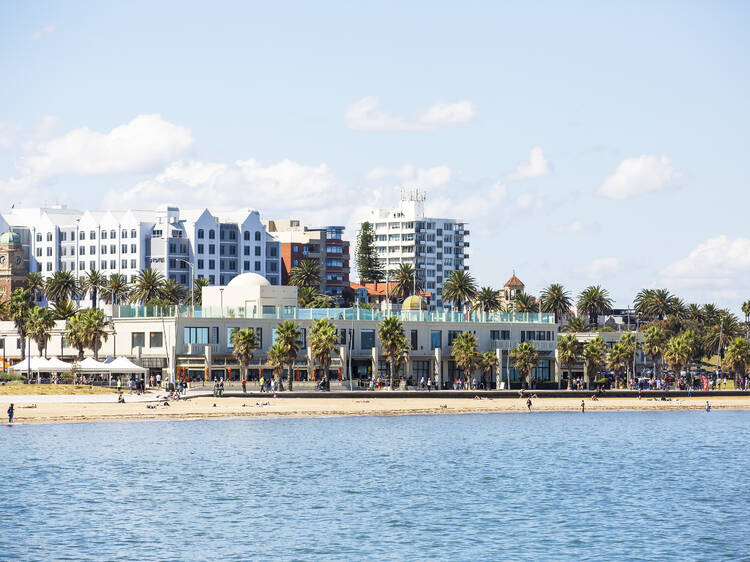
[{"x": 209, "y": 408}]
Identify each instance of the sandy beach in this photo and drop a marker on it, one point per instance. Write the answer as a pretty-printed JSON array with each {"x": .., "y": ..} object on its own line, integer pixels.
[{"x": 79, "y": 410}]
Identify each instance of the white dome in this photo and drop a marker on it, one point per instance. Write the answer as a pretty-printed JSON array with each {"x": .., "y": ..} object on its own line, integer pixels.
[{"x": 247, "y": 280}]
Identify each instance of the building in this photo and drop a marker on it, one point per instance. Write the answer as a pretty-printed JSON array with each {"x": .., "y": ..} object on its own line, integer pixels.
[
  {"x": 180, "y": 245},
  {"x": 512, "y": 288},
  {"x": 12, "y": 269},
  {"x": 434, "y": 246},
  {"x": 376, "y": 294},
  {"x": 325, "y": 245}
]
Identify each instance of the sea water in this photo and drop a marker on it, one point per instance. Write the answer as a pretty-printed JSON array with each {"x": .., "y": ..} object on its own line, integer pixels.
[{"x": 613, "y": 485}]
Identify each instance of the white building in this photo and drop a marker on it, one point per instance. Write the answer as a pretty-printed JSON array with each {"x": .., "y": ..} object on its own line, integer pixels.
[
  {"x": 434, "y": 246},
  {"x": 218, "y": 247}
]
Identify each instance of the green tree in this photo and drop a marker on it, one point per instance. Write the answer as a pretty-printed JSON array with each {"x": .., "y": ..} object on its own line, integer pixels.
[
  {"x": 148, "y": 286},
  {"x": 35, "y": 285},
  {"x": 62, "y": 286},
  {"x": 172, "y": 293},
  {"x": 575, "y": 324},
  {"x": 39, "y": 325},
  {"x": 488, "y": 363},
  {"x": 197, "y": 294},
  {"x": 738, "y": 357},
  {"x": 594, "y": 357},
  {"x": 75, "y": 333},
  {"x": 276, "y": 360},
  {"x": 593, "y": 301},
  {"x": 677, "y": 354},
  {"x": 524, "y": 357},
  {"x": 244, "y": 342},
  {"x": 92, "y": 283},
  {"x": 306, "y": 274},
  {"x": 402, "y": 281},
  {"x": 487, "y": 300},
  {"x": 746, "y": 312},
  {"x": 116, "y": 289},
  {"x": 569, "y": 354},
  {"x": 392, "y": 340},
  {"x": 19, "y": 308},
  {"x": 629, "y": 342},
  {"x": 657, "y": 304},
  {"x": 321, "y": 301},
  {"x": 323, "y": 340},
  {"x": 466, "y": 355},
  {"x": 654, "y": 341},
  {"x": 618, "y": 360},
  {"x": 368, "y": 264},
  {"x": 459, "y": 288},
  {"x": 63, "y": 310},
  {"x": 525, "y": 303},
  {"x": 95, "y": 329},
  {"x": 306, "y": 295},
  {"x": 557, "y": 300},
  {"x": 288, "y": 335}
]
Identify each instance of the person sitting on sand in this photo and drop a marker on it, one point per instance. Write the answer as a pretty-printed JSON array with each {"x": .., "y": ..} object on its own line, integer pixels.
[
  {"x": 522, "y": 393},
  {"x": 593, "y": 397},
  {"x": 121, "y": 399}
]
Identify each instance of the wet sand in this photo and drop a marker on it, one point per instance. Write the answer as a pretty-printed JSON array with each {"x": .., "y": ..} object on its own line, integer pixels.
[{"x": 209, "y": 408}]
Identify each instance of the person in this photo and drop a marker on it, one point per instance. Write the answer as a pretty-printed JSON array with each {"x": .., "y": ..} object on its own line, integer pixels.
[
  {"x": 158, "y": 379},
  {"x": 130, "y": 385},
  {"x": 528, "y": 403},
  {"x": 119, "y": 385},
  {"x": 708, "y": 406},
  {"x": 11, "y": 411},
  {"x": 120, "y": 399},
  {"x": 421, "y": 383},
  {"x": 583, "y": 407},
  {"x": 429, "y": 384},
  {"x": 262, "y": 383}
]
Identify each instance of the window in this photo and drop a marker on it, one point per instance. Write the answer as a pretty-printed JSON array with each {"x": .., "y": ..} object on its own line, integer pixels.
[
  {"x": 200, "y": 234},
  {"x": 124, "y": 248},
  {"x": 39, "y": 237},
  {"x": 421, "y": 369},
  {"x": 367, "y": 339},
  {"x": 257, "y": 266},
  {"x": 39, "y": 252},
  {"x": 81, "y": 265},
  {"x": 231, "y": 331},
  {"x": 92, "y": 265},
  {"x": 232, "y": 235},
  {"x": 453, "y": 334},
  {"x": 63, "y": 236},
  {"x": 214, "y": 335},
  {"x": 138, "y": 339},
  {"x": 212, "y": 265},
  {"x": 104, "y": 235},
  {"x": 113, "y": 248},
  {"x": 414, "y": 339},
  {"x": 132, "y": 249},
  {"x": 232, "y": 250},
  {"x": 200, "y": 264},
  {"x": 436, "y": 339},
  {"x": 259, "y": 336},
  {"x": 221, "y": 234},
  {"x": 499, "y": 335},
  {"x": 82, "y": 235},
  {"x": 133, "y": 234},
  {"x": 155, "y": 339},
  {"x": 124, "y": 233},
  {"x": 196, "y": 335},
  {"x": 257, "y": 250},
  {"x": 49, "y": 252},
  {"x": 257, "y": 236},
  {"x": 246, "y": 265},
  {"x": 246, "y": 235},
  {"x": 273, "y": 252},
  {"x": 200, "y": 248},
  {"x": 124, "y": 264},
  {"x": 132, "y": 264},
  {"x": 49, "y": 237},
  {"x": 92, "y": 235},
  {"x": 211, "y": 234},
  {"x": 211, "y": 249},
  {"x": 104, "y": 265}
]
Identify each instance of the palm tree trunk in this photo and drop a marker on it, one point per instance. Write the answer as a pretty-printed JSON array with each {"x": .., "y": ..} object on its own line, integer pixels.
[
  {"x": 570, "y": 381},
  {"x": 291, "y": 376},
  {"x": 391, "y": 368}
]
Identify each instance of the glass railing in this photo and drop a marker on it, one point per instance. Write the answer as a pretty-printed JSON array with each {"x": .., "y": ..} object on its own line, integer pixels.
[{"x": 361, "y": 314}]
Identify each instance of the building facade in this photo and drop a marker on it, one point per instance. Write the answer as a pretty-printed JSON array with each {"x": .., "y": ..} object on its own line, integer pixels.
[
  {"x": 12, "y": 269},
  {"x": 434, "y": 246}
]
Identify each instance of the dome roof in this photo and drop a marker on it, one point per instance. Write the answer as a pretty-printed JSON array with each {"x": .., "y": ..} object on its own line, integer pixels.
[
  {"x": 247, "y": 280},
  {"x": 413, "y": 303},
  {"x": 10, "y": 237}
]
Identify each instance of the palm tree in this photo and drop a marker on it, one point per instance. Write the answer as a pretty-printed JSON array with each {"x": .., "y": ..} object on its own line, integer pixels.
[
  {"x": 244, "y": 342},
  {"x": 306, "y": 274},
  {"x": 694, "y": 312},
  {"x": 575, "y": 324},
  {"x": 321, "y": 301},
  {"x": 19, "y": 308},
  {"x": 465, "y": 354},
  {"x": 173, "y": 292},
  {"x": 618, "y": 360},
  {"x": 487, "y": 300},
  {"x": 723, "y": 329},
  {"x": 5, "y": 310},
  {"x": 62, "y": 286},
  {"x": 657, "y": 304},
  {"x": 116, "y": 289},
  {"x": 35, "y": 284},
  {"x": 738, "y": 357},
  {"x": 276, "y": 360},
  {"x": 525, "y": 303},
  {"x": 459, "y": 288},
  {"x": 75, "y": 334},
  {"x": 91, "y": 283},
  {"x": 323, "y": 340},
  {"x": 63, "y": 310},
  {"x": 197, "y": 295},
  {"x": 392, "y": 340},
  {"x": 630, "y": 345},
  {"x": 306, "y": 295},
  {"x": 677, "y": 354},
  {"x": 288, "y": 335},
  {"x": 654, "y": 341},
  {"x": 569, "y": 353},
  {"x": 710, "y": 313},
  {"x": 594, "y": 356},
  {"x": 487, "y": 363},
  {"x": 556, "y": 299},
  {"x": 94, "y": 326},
  {"x": 594, "y": 301},
  {"x": 404, "y": 281},
  {"x": 524, "y": 357},
  {"x": 39, "y": 324},
  {"x": 148, "y": 286}
]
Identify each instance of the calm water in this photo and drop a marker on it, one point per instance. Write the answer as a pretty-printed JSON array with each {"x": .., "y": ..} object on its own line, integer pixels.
[{"x": 663, "y": 485}]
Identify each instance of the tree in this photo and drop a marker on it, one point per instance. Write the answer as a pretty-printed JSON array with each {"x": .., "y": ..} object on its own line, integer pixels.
[
  {"x": 63, "y": 310},
  {"x": 746, "y": 312},
  {"x": 35, "y": 285},
  {"x": 524, "y": 357},
  {"x": 594, "y": 301},
  {"x": 460, "y": 287},
  {"x": 323, "y": 339},
  {"x": 630, "y": 346},
  {"x": 654, "y": 341},
  {"x": 116, "y": 289},
  {"x": 95, "y": 329},
  {"x": 197, "y": 295},
  {"x": 75, "y": 333},
  {"x": 19, "y": 308},
  {"x": 488, "y": 363},
  {"x": 403, "y": 281},
  {"x": 147, "y": 286},
  {"x": 557, "y": 300},
  {"x": 368, "y": 263},
  {"x": 306, "y": 295},
  {"x": 93, "y": 282},
  {"x": 321, "y": 301},
  {"x": 62, "y": 286},
  {"x": 244, "y": 342},
  {"x": 487, "y": 300},
  {"x": 173, "y": 293},
  {"x": 306, "y": 274},
  {"x": 594, "y": 356},
  {"x": 677, "y": 354},
  {"x": 569, "y": 353},
  {"x": 392, "y": 340},
  {"x": 39, "y": 324},
  {"x": 525, "y": 303},
  {"x": 465, "y": 354},
  {"x": 738, "y": 357},
  {"x": 288, "y": 335},
  {"x": 723, "y": 328},
  {"x": 618, "y": 360},
  {"x": 657, "y": 304},
  {"x": 575, "y": 324},
  {"x": 276, "y": 360}
]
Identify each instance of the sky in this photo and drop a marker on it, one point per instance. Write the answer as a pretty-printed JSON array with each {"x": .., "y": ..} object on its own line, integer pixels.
[{"x": 584, "y": 142}]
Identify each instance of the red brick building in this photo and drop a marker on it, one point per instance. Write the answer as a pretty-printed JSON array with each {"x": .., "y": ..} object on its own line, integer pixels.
[{"x": 12, "y": 268}]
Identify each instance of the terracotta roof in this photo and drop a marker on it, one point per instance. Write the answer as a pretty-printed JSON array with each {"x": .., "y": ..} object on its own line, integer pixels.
[
  {"x": 378, "y": 288},
  {"x": 514, "y": 282}
]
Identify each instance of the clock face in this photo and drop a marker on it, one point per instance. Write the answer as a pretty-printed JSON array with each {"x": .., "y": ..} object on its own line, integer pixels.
[
  {"x": 2, "y": 260},
  {"x": 18, "y": 259}
]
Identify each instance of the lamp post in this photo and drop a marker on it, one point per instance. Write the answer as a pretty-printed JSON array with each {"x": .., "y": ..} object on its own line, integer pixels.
[
  {"x": 192, "y": 280},
  {"x": 221, "y": 300}
]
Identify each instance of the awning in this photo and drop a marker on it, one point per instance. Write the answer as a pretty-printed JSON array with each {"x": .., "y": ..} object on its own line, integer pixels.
[
  {"x": 55, "y": 365},
  {"x": 124, "y": 365},
  {"x": 29, "y": 364},
  {"x": 91, "y": 365}
]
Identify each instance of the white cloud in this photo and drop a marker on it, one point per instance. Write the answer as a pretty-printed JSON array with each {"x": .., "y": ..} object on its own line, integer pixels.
[
  {"x": 8, "y": 134},
  {"x": 425, "y": 178},
  {"x": 536, "y": 166},
  {"x": 366, "y": 115},
  {"x": 719, "y": 263},
  {"x": 143, "y": 145},
  {"x": 602, "y": 266},
  {"x": 39, "y": 33},
  {"x": 635, "y": 176},
  {"x": 529, "y": 201},
  {"x": 570, "y": 228}
]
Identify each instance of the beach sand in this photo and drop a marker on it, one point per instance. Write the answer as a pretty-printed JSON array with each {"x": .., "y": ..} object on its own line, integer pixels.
[{"x": 203, "y": 407}]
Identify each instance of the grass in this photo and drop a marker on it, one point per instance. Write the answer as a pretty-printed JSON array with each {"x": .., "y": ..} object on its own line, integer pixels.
[{"x": 14, "y": 388}]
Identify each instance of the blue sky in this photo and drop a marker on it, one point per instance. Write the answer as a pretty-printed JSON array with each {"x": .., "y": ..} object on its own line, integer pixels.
[{"x": 584, "y": 142}]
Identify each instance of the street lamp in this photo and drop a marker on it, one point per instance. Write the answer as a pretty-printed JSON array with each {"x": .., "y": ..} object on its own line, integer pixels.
[
  {"x": 221, "y": 301},
  {"x": 192, "y": 280}
]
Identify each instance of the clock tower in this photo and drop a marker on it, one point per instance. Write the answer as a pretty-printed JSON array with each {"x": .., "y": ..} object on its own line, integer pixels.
[{"x": 12, "y": 270}]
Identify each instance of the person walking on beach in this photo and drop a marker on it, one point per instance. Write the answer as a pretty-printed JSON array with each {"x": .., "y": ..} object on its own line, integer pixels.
[
  {"x": 708, "y": 406},
  {"x": 528, "y": 403},
  {"x": 11, "y": 411},
  {"x": 119, "y": 385},
  {"x": 583, "y": 407},
  {"x": 244, "y": 386}
]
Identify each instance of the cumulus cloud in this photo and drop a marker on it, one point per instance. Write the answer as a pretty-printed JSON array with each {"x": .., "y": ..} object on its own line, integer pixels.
[
  {"x": 718, "y": 263},
  {"x": 366, "y": 115},
  {"x": 39, "y": 33},
  {"x": 429, "y": 177},
  {"x": 536, "y": 166},
  {"x": 143, "y": 145},
  {"x": 636, "y": 176},
  {"x": 602, "y": 266}
]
